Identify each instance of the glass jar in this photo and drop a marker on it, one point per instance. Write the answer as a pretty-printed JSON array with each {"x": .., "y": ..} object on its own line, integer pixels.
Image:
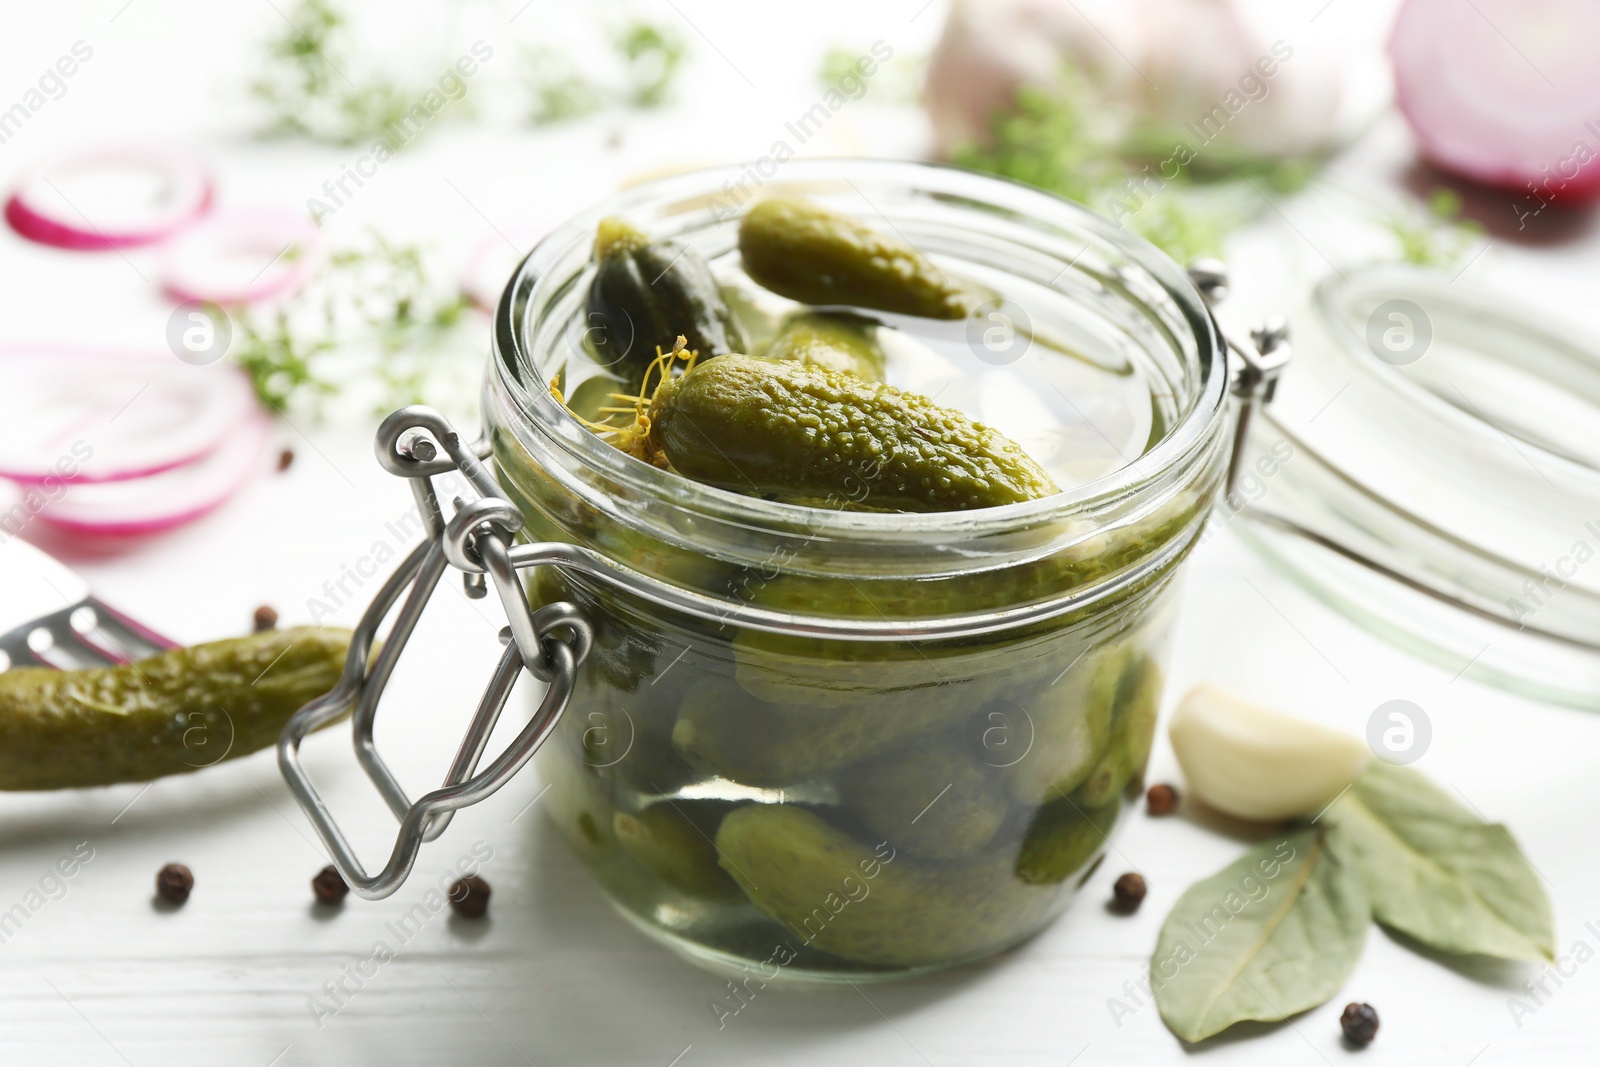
[
  {"x": 1438, "y": 479},
  {"x": 862, "y": 743}
]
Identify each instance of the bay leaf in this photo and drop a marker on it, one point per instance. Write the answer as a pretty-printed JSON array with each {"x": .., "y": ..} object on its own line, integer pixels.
[
  {"x": 1273, "y": 934},
  {"x": 1437, "y": 872}
]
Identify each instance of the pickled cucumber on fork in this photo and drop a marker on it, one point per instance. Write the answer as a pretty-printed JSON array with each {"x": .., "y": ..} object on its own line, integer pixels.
[
  {"x": 802, "y": 250},
  {"x": 787, "y": 429},
  {"x": 175, "y": 712},
  {"x": 645, "y": 294},
  {"x": 870, "y": 902}
]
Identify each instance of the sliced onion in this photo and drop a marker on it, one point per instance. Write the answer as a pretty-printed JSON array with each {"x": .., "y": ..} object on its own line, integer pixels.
[
  {"x": 117, "y": 197},
  {"x": 1504, "y": 92},
  {"x": 109, "y": 417},
  {"x": 171, "y": 498},
  {"x": 237, "y": 257},
  {"x": 489, "y": 265}
]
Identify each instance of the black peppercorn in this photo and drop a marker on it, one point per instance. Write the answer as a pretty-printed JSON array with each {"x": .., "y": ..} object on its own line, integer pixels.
[
  {"x": 173, "y": 883},
  {"x": 266, "y": 618},
  {"x": 1359, "y": 1023},
  {"x": 1161, "y": 800},
  {"x": 1128, "y": 892},
  {"x": 329, "y": 886},
  {"x": 470, "y": 897}
]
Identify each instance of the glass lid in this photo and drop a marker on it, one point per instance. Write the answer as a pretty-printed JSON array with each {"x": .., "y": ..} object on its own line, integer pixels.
[{"x": 1430, "y": 467}]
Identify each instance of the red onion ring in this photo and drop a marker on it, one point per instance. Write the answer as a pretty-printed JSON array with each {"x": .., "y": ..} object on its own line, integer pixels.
[
  {"x": 95, "y": 416},
  {"x": 236, "y": 258},
  {"x": 1504, "y": 92},
  {"x": 39, "y": 211},
  {"x": 168, "y": 499}
]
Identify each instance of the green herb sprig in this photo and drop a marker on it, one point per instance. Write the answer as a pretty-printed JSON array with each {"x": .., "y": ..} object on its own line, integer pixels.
[
  {"x": 1436, "y": 236},
  {"x": 373, "y": 320},
  {"x": 1061, "y": 140},
  {"x": 1067, "y": 140},
  {"x": 898, "y": 79},
  {"x": 650, "y": 56},
  {"x": 303, "y": 86}
]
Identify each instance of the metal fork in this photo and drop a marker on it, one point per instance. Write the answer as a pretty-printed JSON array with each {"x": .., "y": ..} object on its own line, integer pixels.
[{"x": 48, "y": 618}]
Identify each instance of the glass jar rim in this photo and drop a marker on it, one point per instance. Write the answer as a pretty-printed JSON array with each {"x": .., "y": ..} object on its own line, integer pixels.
[
  {"x": 1190, "y": 435},
  {"x": 1420, "y": 287}
]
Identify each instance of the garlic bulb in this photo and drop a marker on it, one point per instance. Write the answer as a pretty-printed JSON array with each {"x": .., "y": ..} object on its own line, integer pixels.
[
  {"x": 1206, "y": 66},
  {"x": 1218, "y": 75},
  {"x": 991, "y": 48},
  {"x": 1254, "y": 763}
]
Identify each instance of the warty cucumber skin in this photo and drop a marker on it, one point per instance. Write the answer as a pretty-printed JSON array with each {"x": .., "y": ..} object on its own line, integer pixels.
[
  {"x": 792, "y": 430},
  {"x": 801, "y": 250},
  {"x": 176, "y": 712}
]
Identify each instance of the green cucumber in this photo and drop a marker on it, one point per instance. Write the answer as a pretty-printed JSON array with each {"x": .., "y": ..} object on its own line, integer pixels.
[
  {"x": 801, "y": 250},
  {"x": 787, "y": 430},
  {"x": 175, "y": 712},
  {"x": 832, "y": 340},
  {"x": 645, "y": 294}
]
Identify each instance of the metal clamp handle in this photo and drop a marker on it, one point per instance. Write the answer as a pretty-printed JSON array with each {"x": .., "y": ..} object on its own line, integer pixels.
[
  {"x": 550, "y": 643},
  {"x": 1261, "y": 361}
]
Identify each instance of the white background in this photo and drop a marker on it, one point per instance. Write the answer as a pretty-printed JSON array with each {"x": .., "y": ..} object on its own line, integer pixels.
[{"x": 554, "y": 977}]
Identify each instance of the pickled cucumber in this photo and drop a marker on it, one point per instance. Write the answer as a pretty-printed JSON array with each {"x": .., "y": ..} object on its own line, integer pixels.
[
  {"x": 1133, "y": 728},
  {"x": 175, "y": 712},
  {"x": 871, "y": 903},
  {"x": 776, "y": 429},
  {"x": 930, "y": 798},
  {"x": 820, "y": 672},
  {"x": 1062, "y": 838},
  {"x": 803, "y": 251},
  {"x": 676, "y": 839},
  {"x": 1070, "y": 727},
  {"x": 645, "y": 294},
  {"x": 724, "y": 731},
  {"x": 831, "y": 340}
]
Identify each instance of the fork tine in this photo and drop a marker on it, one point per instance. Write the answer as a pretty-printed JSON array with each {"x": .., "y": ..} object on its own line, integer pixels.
[
  {"x": 88, "y": 634},
  {"x": 128, "y": 639}
]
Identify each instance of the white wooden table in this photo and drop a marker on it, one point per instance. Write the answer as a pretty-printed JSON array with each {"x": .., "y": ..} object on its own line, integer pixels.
[{"x": 248, "y": 974}]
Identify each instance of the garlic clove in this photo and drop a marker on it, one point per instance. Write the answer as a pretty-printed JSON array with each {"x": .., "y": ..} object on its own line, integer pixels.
[{"x": 1255, "y": 763}]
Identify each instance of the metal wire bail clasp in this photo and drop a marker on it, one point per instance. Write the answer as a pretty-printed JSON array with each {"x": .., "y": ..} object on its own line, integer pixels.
[
  {"x": 1261, "y": 361},
  {"x": 550, "y": 643}
]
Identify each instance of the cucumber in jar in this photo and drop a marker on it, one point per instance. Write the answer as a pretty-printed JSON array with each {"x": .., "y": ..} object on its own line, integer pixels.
[
  {"x": 646, "y": 293},
  {"x": 870, "y": 902},
  {"x": 724, "y": 731},
  {"x": 931, "y": 798},
  {"x": 837, "y": 341},
  {"x": 788, "y": 429},
  {"x": 1063, "y": 838},
  {"x": 1133, "y": 729},
  {"x": 802, "y": 250},
  {"x": 676, "y": 839}
]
